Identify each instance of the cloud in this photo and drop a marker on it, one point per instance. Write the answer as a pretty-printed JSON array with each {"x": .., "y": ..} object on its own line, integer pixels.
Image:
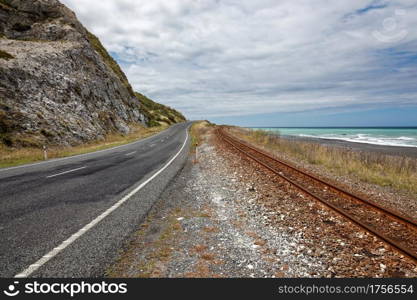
[{"x": 211, "y": 58}]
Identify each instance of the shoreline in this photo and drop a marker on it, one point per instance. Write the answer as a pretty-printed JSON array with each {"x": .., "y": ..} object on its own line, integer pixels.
[{"x": 382, "y": 149}]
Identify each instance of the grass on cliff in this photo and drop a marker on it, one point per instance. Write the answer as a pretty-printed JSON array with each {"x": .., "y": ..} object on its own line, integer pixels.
[
  {"x": 110, "y": 62},
  {"x": 157, "y": 113},
  {"x": 17, "y": 156},
  {"x": 385, "y": 170}
]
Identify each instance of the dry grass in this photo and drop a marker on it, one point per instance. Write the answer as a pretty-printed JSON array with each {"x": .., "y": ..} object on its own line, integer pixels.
[
  {"x": 260, "y": 242},
  {"x": 210, "y": 229},
  {"x": 197, "y": 129},
  {"x": 199, "y": 248},
  {"x": 10, "y": 156},
  {"x": 208, "y": 256},
  {"x": 398, "y": 172}
]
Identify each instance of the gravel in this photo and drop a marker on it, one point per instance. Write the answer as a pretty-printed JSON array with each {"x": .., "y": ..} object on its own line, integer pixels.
[{"x": 224, "y": 216}]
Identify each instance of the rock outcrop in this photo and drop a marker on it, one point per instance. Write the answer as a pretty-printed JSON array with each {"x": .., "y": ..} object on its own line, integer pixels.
[{"x": 58, "y": 85}]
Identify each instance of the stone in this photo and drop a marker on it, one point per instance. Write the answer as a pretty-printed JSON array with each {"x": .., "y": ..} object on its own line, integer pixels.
[{"x": 58, "y": 88}]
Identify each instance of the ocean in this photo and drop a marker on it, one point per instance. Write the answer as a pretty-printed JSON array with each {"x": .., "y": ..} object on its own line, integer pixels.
[{"x": 388, "y": 136}]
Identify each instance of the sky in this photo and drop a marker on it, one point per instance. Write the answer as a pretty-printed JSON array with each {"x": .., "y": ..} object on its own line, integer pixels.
[{"x": 267, "y": 62}]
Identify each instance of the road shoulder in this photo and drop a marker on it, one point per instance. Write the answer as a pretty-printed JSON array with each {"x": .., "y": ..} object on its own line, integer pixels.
[
  {"x": 92, "y": 253},
  {"x": 221, "y": 218}
]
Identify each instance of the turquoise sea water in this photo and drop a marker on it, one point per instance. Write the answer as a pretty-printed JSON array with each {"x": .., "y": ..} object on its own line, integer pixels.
[{"x": 393, "y": 136}]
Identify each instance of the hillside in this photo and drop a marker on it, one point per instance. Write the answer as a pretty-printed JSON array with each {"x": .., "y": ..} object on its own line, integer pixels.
[
  {"x": 58, "y": 84},
  {"x": 159, "y": 114}
]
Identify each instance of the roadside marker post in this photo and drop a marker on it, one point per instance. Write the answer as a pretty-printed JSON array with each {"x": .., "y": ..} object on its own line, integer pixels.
[{"x": 45, "y": 153}]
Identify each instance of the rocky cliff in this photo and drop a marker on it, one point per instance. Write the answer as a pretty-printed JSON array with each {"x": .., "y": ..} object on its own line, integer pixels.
[{"x": 58, "y": 85}]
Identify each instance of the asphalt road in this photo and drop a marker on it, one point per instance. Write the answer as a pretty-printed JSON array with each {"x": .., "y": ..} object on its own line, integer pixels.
[{"x": 43, "y": 205}]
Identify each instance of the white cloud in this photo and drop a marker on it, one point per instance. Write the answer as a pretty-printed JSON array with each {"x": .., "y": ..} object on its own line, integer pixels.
[{"x": 218, "y": 58}]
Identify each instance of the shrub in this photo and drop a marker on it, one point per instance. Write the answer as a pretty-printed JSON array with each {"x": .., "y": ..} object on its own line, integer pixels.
[
  {"x": 5, "y": 55},
  {"x": 21, "y": 27}
]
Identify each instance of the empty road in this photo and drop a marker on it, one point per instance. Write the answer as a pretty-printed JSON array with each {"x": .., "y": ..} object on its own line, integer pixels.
[{"x": 69, "y": 217}]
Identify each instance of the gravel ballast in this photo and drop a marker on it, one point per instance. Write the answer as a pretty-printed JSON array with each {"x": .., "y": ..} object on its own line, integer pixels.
[{"x": 225, "y": 216}]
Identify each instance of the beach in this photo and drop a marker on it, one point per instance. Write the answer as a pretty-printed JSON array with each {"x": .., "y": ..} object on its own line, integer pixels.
[
  {"x": 399, "y": 141},
  {"x": 383, "y": 149}
]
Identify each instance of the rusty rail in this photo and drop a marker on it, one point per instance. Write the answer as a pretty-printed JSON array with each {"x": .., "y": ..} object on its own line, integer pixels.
[{"x": 391, "y": 217}]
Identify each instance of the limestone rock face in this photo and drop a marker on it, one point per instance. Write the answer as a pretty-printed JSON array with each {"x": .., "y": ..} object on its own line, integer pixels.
[{"x": 58, "y": 85}]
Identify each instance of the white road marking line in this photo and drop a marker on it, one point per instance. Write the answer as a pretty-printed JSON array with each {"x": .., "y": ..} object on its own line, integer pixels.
[
  {"x": 35, "y": 266},
  {"x": 73, "y": 170},
  {"x": 86, "y": 154},
  {"x": 130, "y": 153}
]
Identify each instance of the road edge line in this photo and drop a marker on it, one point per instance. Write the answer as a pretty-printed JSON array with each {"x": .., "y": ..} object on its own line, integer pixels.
[
  {"x": 51, "y": 254},
  {"x": 83, "y": 154}
]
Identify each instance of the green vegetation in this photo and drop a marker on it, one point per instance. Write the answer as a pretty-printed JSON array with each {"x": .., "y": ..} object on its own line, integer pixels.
[
  {"x": 18, "y": 147},
  {"x": 158, "y": 114},
  {"x": 5, "y": 55},
  {"x": 110, "y": 62},
  {"x": 385, "y": 170}
]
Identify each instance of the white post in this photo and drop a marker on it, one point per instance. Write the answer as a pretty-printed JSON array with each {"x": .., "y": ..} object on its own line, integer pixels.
[{"x": 45, "y": 153}]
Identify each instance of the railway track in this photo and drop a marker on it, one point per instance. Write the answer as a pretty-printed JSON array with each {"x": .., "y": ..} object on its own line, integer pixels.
[{"x": 400, "y": 232}]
